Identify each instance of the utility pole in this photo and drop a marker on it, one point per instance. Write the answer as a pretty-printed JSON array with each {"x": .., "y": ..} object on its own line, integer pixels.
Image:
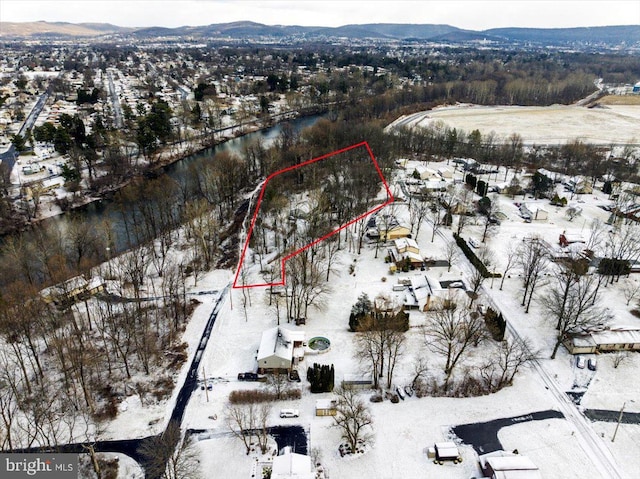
[
  {"x": 619, "y": 421},
  {"x": 206, "y": 384}
]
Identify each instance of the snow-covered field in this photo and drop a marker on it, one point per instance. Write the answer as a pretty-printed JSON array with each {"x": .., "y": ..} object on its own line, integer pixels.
[{"x": 555, "y": 124}]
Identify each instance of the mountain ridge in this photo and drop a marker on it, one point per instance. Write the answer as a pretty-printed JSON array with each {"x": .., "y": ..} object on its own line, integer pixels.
[{"x": 614, "y": 34}]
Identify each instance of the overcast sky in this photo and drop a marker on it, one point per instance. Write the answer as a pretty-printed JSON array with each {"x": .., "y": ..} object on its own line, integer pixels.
[{"x": 470, "y": 14}]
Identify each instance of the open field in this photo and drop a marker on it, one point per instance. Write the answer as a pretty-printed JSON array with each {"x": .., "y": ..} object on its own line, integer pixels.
[
  {"x": 620, "y": 100},
  {"x": 557, "y": 124}
]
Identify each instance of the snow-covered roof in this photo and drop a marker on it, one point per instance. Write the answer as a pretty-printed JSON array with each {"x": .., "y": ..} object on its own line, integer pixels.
[
  {"x": 325, "y": 403},
  {"x": 403, "y": 243},
  {"x": 291, "y": 465},
  {"x": 616, "y": 336},
  {"x": 278, "y": 342}
]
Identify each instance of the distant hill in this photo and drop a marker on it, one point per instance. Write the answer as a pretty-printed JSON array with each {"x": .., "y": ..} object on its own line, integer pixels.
[
  {"x": 616, "y": 35},
  {"x": 30, "y": 29},
  {"x": 613, "y": 35}
]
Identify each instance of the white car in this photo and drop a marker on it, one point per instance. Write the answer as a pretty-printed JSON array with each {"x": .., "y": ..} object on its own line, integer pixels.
[
  {"x": 289, "y": 413},
  {"x": 473, "y": 243},
  {"x": 580, "y": 362}
]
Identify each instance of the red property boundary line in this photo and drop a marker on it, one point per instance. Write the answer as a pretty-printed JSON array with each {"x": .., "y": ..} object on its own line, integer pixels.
[{"x": 390, "y": 200}]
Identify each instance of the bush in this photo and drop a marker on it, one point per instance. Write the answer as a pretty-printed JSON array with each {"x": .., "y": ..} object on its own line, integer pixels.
[
  {"x": 614, "y": 267},
  {"x": 253, "y": 396},
  {"x": 495, "y": 324},
  {"x": 321, "y": 377},
  {"x": 471, "y": 256}
]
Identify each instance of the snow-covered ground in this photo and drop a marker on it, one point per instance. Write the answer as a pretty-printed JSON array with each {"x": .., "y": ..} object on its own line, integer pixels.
[
  {"x": 539, "y": 125},
  {"x": 403, "y": 431}
]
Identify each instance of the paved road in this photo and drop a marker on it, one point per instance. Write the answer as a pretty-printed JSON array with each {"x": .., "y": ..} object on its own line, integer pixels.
[
  {"x": 9, "y": 157},
  {"x": 589, "y": 441},
  {"x": 483, "y": 436},
  {"x": 612, "y": 416},
  {"x": 191, "y": 381},
  {"x": 115, "y": 101}
]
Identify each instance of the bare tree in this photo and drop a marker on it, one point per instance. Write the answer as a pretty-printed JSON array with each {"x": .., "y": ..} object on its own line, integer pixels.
[
  {"x": 418, "y": 211},
  {"x": 352, "y": 417},
  {"x": 619, "y": 357},
  {"x": 278, "y": 382},
  {"x": 532, "y": 259},
  {"x": 579, "y": 312},
  {"x": 451, "y": 253},
  {"x": 501, "y": 369},
  {"x": 380, "y": 338},
  {"x": 240, "y": 422},
  {"x": 170, "y": 456},
  {"x": 631, "y": 290},
  {"x": 449, "y": 332},
  {"x": 511, "y": 262}
]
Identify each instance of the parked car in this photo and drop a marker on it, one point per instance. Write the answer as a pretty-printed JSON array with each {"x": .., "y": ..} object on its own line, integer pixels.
[
  {"x": 294, "y": 376},
  {"x": 591, "y": 364},
  {"x": 289, "y": 413},
  {"x": 400, "y": 392},
  {"x": 408, "y": 390},
  {"x": 473, "y": 243},
  {"x": 247, "y": 376},
  {"x": 580, "y": 362}
]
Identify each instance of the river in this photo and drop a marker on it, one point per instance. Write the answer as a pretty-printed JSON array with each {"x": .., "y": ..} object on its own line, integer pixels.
[{"x": 100, "y": 211}]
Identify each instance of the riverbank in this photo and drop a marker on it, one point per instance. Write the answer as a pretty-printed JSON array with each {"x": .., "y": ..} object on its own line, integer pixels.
[{"x": 51, "y": 203}]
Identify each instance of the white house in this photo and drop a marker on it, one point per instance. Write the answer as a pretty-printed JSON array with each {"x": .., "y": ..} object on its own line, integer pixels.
[
  {"x": 426, "y": 293},
  {"x": 280, "y": 349},
  {"x": 504, "y": 465},
  {"x": 291, "y": 465}
]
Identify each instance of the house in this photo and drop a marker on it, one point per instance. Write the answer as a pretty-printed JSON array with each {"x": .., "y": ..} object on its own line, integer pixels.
[
  {"x": 280, "y": 349},
  {"x": 394, "y": 232},
  {"x": 504, "y": 465},
  {"x": 427, "y": 293},
  {"x": 326, "y": 407},
  {"x": 73, "y": 290},
  {"x": 445, "y": 172},
  {"x": 603, "y": 341},
  {"x": 406, "y": 249},
  {"x": 291, "y": 465}
]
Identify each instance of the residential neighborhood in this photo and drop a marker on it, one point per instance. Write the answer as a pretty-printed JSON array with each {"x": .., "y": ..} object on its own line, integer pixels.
[{"x": 279, "y": 250}]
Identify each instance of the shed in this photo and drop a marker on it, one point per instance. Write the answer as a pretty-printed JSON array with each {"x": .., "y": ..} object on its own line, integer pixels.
[
  {"x": 326, "y": 407},
  {"x": 357, "y": 382}
]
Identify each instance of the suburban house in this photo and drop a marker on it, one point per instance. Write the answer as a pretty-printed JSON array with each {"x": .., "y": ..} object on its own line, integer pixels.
[
  {"x": 73, "y": 290},
  {"x": 291, "y": 465},
  {"x": 505, "y": 465},
  {"x": 425, "y": 293},
  {"x": 394, "y": 232},
  {"x": 280, "y": 350},
  {"x": 405, "y": 249},
  {"x": 603, "y": 341},
  {"x": 326, "y": 407}
]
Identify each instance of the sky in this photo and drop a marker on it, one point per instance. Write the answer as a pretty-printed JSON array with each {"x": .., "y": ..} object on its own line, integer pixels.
[{"x": 468, "y": 14}]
